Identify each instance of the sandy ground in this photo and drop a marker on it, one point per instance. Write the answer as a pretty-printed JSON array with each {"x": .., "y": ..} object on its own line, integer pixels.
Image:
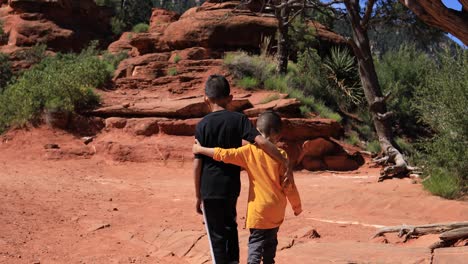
[{"x": 98, "y": 211}]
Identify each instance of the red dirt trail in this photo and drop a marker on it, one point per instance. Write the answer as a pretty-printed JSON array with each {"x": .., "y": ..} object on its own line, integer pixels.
[{"x": 93, "y": 210}]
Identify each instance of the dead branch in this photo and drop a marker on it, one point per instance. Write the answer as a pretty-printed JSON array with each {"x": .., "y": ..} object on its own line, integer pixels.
[
  {"x": 403, "y": 230},
  {"x": 455, "y": 234}
]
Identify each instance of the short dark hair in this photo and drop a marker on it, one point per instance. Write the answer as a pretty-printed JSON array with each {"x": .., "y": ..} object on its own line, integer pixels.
[
  {"x": 217, "y": 87},
  {"x": 269, "y": 123}
]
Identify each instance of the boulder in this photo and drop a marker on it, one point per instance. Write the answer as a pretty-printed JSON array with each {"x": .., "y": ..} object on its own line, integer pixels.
[
  {"x": 63, "y": 25},
  {"x": 312, "y": 163},
  {"x": 195, "y": 53},
  {"x": 115, "y": 122},
  {"x": 132, "y": 67},
  {"x": 161, "y": 18},
  {"x": 288, "y": 107},
  {"x": 343, "y": 162},
  {"x": 320, "y": 147},
  {"x": 219, "y": 27},
  {"x": 179, "y": 127},
  {"x": 304, "y": 129}
]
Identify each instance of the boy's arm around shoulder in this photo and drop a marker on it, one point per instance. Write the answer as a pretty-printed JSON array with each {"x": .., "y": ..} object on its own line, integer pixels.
[
  {"x": 234, "y": 156},
  {"x": 276, "y": 154}
]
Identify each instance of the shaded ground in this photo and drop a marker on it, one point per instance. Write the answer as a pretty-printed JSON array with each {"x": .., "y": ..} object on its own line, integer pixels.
[{"x": 98, "y": 211}]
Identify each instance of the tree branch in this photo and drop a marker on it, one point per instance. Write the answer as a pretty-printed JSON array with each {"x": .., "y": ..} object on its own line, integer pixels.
[
  {"x": 367, "y": 14},
  {"x": 435, "y": 13}
]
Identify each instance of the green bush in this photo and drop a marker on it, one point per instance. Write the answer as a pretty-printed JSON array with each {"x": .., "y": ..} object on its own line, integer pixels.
[
  {"x": 64, "y": 82},
  {"x": 443, "y": 183},
  {"x": 374, "y": 146},
  {"x": 256, "y": 71},
  {"x": 248, "y": 83},
  {"x": 118, "y": 26},
  {"x": 270, "y": 98},
  {"x": 5, "y": 71},
  {"x": 177, "y": 58},
  {"x": 172, "y": 71},
  {"x": 140, "y": 28},
  {"x": 403, "y": 72},
  {"x": 441, "y": 103},
  {"x": 353, "y": 138},
  {"x": 241, "y": 65},
  {"x": 33, "y": 55}
]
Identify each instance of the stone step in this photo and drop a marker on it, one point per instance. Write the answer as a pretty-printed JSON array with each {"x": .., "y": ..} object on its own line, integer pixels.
[{"x": 182, "y": 109}]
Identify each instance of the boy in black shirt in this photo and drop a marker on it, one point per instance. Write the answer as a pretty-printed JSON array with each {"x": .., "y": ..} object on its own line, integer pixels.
[{"x": 217, "y": 185}]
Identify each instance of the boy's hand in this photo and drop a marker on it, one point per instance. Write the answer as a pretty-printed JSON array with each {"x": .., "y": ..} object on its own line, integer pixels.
[
  {"x": 198, "y": 206},
  {"x": 196, "y": 147}
]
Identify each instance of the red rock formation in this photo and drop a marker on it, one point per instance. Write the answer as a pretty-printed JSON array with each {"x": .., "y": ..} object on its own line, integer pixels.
[{"x": 62, "y": 25}]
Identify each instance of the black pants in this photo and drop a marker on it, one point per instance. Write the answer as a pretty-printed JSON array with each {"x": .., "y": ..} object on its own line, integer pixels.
[
  {"x": 220, "y": 217},
  {"x": 262, "y": 244}
]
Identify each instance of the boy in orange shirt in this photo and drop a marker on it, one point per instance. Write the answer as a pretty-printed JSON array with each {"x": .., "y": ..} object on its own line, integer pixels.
[{"x": 267, "y": 198}]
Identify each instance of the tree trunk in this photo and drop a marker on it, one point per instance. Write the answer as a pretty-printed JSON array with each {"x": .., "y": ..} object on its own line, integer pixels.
[
  {"x": 435, "y": 13},
  {"x": 380, "y": 115},
  {"x": 282, "y": 16}
]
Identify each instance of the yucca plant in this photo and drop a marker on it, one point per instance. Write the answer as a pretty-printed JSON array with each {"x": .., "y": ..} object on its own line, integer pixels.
[{"x": 343, "y": 79}]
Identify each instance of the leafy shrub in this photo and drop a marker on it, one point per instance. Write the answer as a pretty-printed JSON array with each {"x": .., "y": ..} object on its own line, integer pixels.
[
  {"x": 248, "y": 83},
  {"x": 403, "y": 72},
  {"x": 177, "y": 58},
  {"x": 33, "y": 55},
  {"x": 64, "y": 82},
  {"x": 255, "y": 71},
  {"x": 140, "y": 28},
  {"x": 5, "y": 71},
  {"x": 242, "y": 65},
  {"x": 270, "y": 98},
  {"x": 302, "y": 36},
  {"x": 172, "y": 71},
  {"x": 374, "y": 146},
  {"x": 352, "y": 138},
  {"x": 441, "y": 104},
  {"x": 118, "y": 26}
]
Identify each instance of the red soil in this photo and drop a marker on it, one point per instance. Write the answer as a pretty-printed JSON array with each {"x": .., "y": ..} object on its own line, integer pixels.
[{"x": 90, "y": 209}]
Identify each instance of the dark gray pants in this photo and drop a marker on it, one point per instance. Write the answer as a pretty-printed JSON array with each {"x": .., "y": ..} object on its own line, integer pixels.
[{"x": 262, "y": 244}]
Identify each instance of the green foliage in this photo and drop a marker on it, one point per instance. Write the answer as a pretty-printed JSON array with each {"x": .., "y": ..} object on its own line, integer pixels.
[
  {"x": 33, "y": 55},
  {"x": 270, "y": 98},
  {"x": 374, "y": 146},
  {"x": 172, "y": 71},
  {"x": 136, "y": 11},
  {"x": 248, "y": 83},
  {"x": 241, "y": 65},
  {"x": 441, "y": 104},
  {"x": 302, "y": 36},
  {"x": 255, "y": 71},
  {"x": 353, "y": 138},
  {"x": 118, "y": 25},
  {"x": 402, "y": 73},
  {"x": 5, "y": 71},
  {"x": 177, "y": 58},
  {"x": 140, "y": 28},
  {"x": 443, "y": 183},
  {"x": 344, "y": 85},
  {"x": 64, "y": 82},
  {"x": 1, "y": 29}
]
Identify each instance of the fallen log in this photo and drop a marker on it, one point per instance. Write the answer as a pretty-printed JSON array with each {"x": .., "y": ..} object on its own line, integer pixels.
[
  {"x": 409, "y": 230},
  {"x": 455, "y": 234}
]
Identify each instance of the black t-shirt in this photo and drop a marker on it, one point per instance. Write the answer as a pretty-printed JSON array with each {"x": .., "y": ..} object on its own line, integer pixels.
[{"x": 224, "y": 129}]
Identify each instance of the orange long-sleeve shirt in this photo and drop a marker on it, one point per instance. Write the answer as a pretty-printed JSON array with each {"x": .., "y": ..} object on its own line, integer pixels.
[{"x": 267, "y": 199}]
